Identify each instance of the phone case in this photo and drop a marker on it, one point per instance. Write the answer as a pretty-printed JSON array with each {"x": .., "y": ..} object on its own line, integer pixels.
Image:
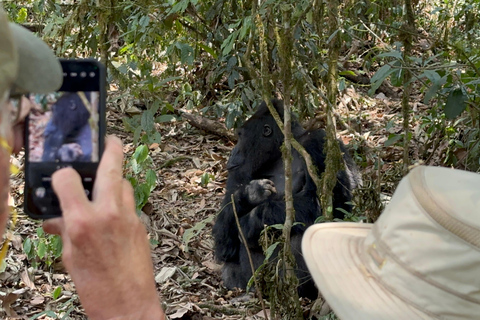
[{"x": 69, "y": 134}]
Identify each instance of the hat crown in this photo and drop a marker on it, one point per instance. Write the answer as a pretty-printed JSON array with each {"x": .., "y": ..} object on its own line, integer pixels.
[
  {"x": 427, "y": 242},
  {"x": 8, "y": 56},
  {"x": 27, "y": 64}
]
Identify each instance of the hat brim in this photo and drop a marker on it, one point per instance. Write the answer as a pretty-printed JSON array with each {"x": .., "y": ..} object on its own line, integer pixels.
[
  {"x": 39, "y": 71},
  {"x": 332, "y": 253}
]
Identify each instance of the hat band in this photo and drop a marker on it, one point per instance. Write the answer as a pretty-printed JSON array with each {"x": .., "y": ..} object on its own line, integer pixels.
[
  {"x": 440, "y": 214},
  {"x": 414, "y": 288}
]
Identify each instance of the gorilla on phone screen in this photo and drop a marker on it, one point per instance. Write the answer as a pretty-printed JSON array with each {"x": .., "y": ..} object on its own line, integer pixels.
[
  {"x": 256, "y": 179},
  {"x": 68, "y": 136}
]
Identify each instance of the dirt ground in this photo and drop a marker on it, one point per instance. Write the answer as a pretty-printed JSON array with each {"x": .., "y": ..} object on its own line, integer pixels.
[{"x": 186, "y": 274}]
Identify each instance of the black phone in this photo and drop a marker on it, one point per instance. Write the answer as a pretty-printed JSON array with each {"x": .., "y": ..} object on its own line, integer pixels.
[{"x": 64, "y": 129}]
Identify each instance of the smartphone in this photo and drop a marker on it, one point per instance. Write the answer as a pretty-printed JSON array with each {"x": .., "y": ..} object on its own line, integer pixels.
[{"x": 64, "y": 129}]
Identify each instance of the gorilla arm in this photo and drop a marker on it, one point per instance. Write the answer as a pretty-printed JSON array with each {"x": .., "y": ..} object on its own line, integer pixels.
[{"x": 225, "y": 231}]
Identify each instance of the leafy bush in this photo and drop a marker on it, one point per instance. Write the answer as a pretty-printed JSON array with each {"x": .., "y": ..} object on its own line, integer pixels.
[{"x": 42, "y": 248}]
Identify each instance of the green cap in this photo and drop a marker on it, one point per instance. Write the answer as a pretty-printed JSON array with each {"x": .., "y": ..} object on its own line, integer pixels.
[{"x": 27, "y": 64}]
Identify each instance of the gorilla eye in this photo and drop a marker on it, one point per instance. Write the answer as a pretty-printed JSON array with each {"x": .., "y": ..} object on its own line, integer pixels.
[{"x": 267, "y": 130}]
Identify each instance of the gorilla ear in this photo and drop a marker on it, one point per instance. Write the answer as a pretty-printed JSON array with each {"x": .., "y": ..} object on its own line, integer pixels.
[{"x": 267, "y": 130}]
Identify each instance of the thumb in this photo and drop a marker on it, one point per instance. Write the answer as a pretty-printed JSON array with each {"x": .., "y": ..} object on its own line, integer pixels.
[
  {"x": 53, "y": 226},
  {"x": 67, "y": 184}
]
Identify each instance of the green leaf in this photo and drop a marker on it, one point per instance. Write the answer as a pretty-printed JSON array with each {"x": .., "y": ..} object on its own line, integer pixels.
[
  {"x": 40, "y": 232},
  {"x": 208, "y": 50},
  {"x": 195, "y": 230},
  {"x": 22, "y": 15},
  {"x": 392, "y": 139},
  {"x": 431, "y": 75},
  {"x": 186, "y": 53},
  {"x": 48, "y": 313},
  {"x": 41, "y": 250},
  {"x": 205, "y": 179},
  {"x": 379, "y": 77},
  {"x": 57, "y": 292},
  {"x": 342, "y": 85},
  {"x": 151, "y": 178},
  {"x": 332, "y": 35},
  {"x": 141, "y": 153},
  {"x": 271, "y": 250},
  {"x": 180, "y": 6},
  {"x": 57, "y": 246},
  {"x": 154, "y": 242},
  {"x": 347, "y": 73},
  {"x": 394, "y": 54},
  {"x": 382, "y": 73},
  {"x": 227, "y": 45},
  {"x": 141, "y": 194},
  {"x": 137, "y": 133},
  {"x": 27, "y": 246},
  {"x": 246, "y": 25},
  {"x": 165, "y": 118},
  {"x": 456, "y": 104},
  {"x": 231, "y": 62},
  {"x": 148, "y": 121},
  {"x": 432, "y": 91}
]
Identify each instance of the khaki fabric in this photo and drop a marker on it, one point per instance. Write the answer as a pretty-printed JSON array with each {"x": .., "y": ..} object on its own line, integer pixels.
[
  {"x": 8, "y": 56},
  {"x": 420, "y": 260},
  {"x": 27, "y": 64}
]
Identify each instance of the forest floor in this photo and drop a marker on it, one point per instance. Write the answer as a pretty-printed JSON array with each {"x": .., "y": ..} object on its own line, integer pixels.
[{"x": 187, "y": 276}]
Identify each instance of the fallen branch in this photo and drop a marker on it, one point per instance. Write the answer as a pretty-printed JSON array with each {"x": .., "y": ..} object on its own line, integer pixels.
[{"x": 208, "y": 125}]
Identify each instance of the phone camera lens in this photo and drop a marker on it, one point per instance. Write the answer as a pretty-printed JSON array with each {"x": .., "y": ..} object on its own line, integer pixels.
[
  {"x": 40, "y": 192},
  {"x": 92, "y": 74},
  {"x": 83, "y": 74}
]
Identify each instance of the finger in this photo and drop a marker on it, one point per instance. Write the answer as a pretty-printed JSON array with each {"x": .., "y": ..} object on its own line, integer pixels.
[
  {"x": 53, "y": 226},
  {"x": 18, "y": 132},
  {"x": 68, "y": 187},
  {"x": 19, "y": 125},
  {"x": 110, "y": 170},
  {"x": 128, "y": 198},
  {"x": 26, "y": 107}
]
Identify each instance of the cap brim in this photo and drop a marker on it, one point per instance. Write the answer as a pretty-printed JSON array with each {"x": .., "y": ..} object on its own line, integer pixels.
[
  {"x": 332, "y": 253},
  {"x": 39, "y": 70}
]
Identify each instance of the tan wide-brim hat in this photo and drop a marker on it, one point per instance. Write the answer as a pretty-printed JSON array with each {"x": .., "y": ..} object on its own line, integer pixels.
[
  {"x": 27, "y": 64},
  {"x": 420, "y": 260}
]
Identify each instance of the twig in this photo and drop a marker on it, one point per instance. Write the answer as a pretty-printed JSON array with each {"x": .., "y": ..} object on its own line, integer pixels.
[{"x": 249, "y": 257}]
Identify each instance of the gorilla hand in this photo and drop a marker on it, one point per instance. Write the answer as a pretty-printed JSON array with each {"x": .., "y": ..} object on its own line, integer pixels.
[{"x": 258, "y": 191}]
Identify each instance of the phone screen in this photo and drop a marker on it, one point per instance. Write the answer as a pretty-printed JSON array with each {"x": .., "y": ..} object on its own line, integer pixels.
[{"x": 64, "y": 129}]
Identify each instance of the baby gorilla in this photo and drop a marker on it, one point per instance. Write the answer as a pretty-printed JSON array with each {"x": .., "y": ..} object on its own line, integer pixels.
[
  {"x": 68, "y": 125},
  {"x": 256, "y": 179}
]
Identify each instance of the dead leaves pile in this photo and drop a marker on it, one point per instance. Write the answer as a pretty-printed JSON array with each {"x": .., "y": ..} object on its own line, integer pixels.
[{"x": 179, "y": 218}]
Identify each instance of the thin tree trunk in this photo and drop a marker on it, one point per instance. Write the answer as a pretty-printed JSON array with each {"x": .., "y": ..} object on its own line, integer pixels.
[
  {"x": 406, "y": 36},
  {"x": 333, "y": 159}
]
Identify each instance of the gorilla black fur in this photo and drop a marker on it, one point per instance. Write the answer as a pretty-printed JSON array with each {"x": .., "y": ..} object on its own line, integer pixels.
[
  {"x": 67, "y": 127},
  {"x": 256, "y": 179}
]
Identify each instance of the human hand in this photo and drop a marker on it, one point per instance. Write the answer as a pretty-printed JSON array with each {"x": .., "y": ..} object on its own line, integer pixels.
[{"x": 105, "y": 246}]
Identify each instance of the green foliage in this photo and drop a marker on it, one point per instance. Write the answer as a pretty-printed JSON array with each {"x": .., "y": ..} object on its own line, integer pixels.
[
  {"x": 56, "y": 293},
  {"x": 60, "y": 311},
  {"x": 456, "y": 104},
  {"x": 143, "y": 125},
  {"x": 205, "y": 179},
  {"x": 193, "y": 54},
  {"x": 42, "y": 248},
  {"x": 141, "y": 174},
  {"x": 194, "y": 231}
]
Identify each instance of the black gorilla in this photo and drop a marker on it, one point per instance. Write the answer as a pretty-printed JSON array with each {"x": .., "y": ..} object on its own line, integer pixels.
[
  {"x": 256, "y": 179},
  {"x": 68, "y": 136}
]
